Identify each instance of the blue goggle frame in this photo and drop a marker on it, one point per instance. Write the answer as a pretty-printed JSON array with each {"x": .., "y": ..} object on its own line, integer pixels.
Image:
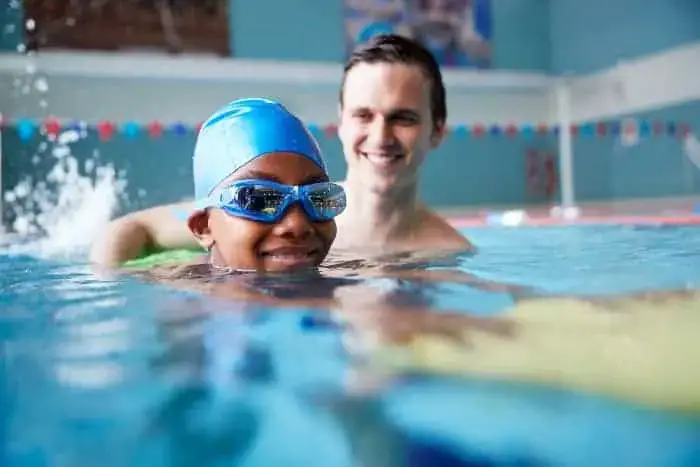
[{"x": 268, "y": 201}]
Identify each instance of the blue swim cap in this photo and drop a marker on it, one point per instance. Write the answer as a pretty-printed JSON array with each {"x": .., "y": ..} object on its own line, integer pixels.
[{"x": 242, "y": 131}]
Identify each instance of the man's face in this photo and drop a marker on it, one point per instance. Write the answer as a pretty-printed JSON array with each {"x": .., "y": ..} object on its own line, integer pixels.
[{"x": 386, "y": 125}]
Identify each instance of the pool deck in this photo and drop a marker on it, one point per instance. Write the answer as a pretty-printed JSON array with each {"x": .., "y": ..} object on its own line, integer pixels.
[{"x": 656, "y": 211}]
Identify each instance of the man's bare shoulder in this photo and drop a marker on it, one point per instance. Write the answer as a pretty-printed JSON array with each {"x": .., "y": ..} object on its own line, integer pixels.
[{"x": 436, "y": 232}]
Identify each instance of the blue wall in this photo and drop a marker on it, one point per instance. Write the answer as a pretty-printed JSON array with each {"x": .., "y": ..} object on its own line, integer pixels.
[
  {"x": 313, "y": 30},
  {"x": 468, "y": 170},
  {"x": 11, "y": 25},
  {"x": 309, "y": 30},
  {"x": 561, "y": 36},
  {"x": 589, "y": 35},
  {"x": 465, "y": 170},
  {"x": 657, "y": 166},
  {"x": 521, "y": 35}
]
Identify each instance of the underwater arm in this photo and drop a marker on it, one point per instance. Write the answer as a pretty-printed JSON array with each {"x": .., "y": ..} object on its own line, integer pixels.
[
  {"x": 141, "y": 232},
  {"x": 381, "y": 322},
  {"x": 455, "y": 276},
  {"x": 364, "y": 319},
  {"x": 361, "y": 307},
  {"x": 227, "y": 291}
]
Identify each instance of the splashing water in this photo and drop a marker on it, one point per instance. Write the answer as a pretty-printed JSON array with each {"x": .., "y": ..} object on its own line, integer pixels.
[{"x": 61, "y": 215}]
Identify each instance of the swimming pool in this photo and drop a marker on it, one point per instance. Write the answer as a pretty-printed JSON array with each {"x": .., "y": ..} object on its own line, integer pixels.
[{"x": 114, "y": 372}]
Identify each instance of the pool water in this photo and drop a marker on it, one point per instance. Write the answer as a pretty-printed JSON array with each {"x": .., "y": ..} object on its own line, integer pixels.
[{"x": 113, "y": 371}]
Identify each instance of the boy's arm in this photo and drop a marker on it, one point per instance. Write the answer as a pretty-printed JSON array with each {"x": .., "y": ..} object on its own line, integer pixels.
[{"x": 140, "y": 232}]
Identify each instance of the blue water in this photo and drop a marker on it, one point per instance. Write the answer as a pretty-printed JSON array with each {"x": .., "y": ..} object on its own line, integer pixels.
[{"x": 117, "y": 372}]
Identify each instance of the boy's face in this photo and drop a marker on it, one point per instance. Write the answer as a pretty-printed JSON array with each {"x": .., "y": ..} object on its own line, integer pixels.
[{"x": 293, "y": 242}]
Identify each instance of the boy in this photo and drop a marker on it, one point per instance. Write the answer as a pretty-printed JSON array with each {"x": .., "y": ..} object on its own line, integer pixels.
[{"x": 264, "y": 199}]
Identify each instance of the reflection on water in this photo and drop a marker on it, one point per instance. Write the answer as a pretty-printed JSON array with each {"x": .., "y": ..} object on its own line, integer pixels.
[{"x": 117, "y": 371}]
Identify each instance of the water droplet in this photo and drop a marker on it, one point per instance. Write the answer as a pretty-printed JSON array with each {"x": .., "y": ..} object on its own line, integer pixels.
[
  {"x": 21, "y": 225},
  {"x": 22, "y": 189},
  {"x": 21, "y": 48},
  {"x": 30, "y": 24},
  {"x": 61, "y": 151},
  {"x": 41, "y": 85},
  {"x": 69, "y": 136}
]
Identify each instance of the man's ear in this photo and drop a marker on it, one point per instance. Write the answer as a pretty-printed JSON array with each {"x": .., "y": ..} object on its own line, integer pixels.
[
  {"x": 198, "y": 222},
  {"x": 439, "y": 132},
  {"x": 339, "y": 126}
]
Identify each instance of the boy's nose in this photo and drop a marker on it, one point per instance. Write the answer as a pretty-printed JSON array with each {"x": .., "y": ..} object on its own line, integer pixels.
[{"x": 295, "y": 223}]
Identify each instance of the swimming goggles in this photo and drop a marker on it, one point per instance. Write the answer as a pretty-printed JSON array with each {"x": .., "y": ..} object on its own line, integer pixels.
[{"x": 267, "y": 201}]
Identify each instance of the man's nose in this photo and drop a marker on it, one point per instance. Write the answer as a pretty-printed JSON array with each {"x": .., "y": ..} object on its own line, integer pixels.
[{"x": 381, "y": 133}]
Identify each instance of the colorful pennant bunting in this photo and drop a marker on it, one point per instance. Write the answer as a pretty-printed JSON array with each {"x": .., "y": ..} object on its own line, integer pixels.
[{"x": 106, "y": 130}]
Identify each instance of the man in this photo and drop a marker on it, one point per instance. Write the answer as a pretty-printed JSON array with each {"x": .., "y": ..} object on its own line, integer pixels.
[{"x": 392, "y": 114}]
